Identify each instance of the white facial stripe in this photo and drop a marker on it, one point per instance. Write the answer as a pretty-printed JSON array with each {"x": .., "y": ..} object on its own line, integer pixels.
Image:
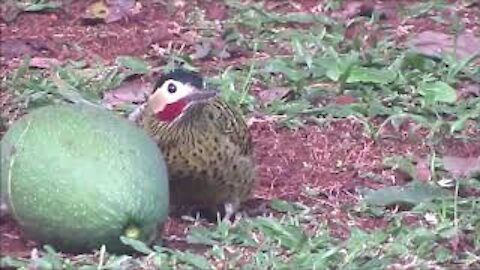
[
  {"x": 161, "y": 96},
  {"x": 182, "y": 90}
]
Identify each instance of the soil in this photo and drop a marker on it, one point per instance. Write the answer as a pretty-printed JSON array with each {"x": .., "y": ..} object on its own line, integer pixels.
[{"x": 316, "y": 165}]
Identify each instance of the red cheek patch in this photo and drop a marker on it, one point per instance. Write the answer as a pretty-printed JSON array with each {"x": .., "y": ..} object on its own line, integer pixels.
[{"x": 171, "y": 111}]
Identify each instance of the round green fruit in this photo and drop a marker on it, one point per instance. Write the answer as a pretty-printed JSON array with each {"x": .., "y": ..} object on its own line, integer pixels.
[{"x": 78, "y": 177}]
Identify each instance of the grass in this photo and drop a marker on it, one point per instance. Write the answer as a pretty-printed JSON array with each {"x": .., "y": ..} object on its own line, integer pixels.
[
  {"x": 285, "y": 243},
  {"x": 316, "y": 65}
]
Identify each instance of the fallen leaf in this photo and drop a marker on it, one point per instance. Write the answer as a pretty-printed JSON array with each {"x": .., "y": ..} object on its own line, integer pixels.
[
  {"x": 44, "y": 62},
  {"x": 111, "y": 11},
  {"x": 268, "y": 95},
  {"x": 434, "y": 44},
  {"x": 14, "y": 48},
  {"x": 470, "y": 3},
  {"x": 9, "y": 11},
  {"x": 121, "y": 4},
  {"x": 459, "y": 166},
  {"x": 133, "y": 91},
  {"x": 202, "y": 50},
  {"x": 469, "y": 89},
  {"x": 119, "y": 9},
  {"x": 211, "y": 47},
  {"x": 97, "y": 10}
]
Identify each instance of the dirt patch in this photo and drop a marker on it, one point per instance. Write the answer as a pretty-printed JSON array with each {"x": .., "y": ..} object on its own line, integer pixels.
[
  {"x": 67, "y": 37},
  {"x": 12, "y": 242}
]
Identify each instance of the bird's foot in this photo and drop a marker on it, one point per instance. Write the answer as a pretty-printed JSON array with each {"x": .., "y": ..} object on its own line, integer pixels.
[
  {"x": 229, "y": 212},
  {"x": 231, "y": 216}
]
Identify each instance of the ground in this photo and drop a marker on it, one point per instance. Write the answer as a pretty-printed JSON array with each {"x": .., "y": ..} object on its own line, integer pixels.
[{"x": 318, "y": 164}]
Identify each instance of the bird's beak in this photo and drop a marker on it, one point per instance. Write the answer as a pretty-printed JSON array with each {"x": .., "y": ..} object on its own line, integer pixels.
[{"x": 199, "y": 95}]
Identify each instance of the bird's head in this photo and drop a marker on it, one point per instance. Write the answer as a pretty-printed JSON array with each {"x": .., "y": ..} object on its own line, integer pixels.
[{"x": 175, "y": 93}]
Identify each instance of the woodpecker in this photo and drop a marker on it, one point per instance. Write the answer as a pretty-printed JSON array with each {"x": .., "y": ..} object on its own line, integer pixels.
[{"x": 205, "y": 141}]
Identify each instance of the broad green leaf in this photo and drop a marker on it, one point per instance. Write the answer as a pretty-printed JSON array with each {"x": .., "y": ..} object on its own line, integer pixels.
[
  {"x": 136, "y": 245},
  {"x": 409, "y": 195},
  {"x": 136, "y": 65},
  {"x": 51, "y": 257},
  {"x": 10, "y": 262},
  {"x": 442, "y": 254},
  {"x": 338, "y": 110},
  {"x": 289, "y": 236},
  {"x": 301, "y": 53},
  {"x": 283, "y": 206},
  {"x": 371, "y": 75},
  {"x": 201, "y": 235},
  {"x": 35, "y": 6},
  {"x": 281, "y": 66},
  {"x": 198, "y": 261},
  {"x": 338, "y": 67},
  {"x": 114, "y": 262},
  {"x": 403, "y": 164},
  {"x": 438, "y": 91}
]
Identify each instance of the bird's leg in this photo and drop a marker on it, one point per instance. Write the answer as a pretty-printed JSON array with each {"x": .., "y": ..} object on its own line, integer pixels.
[{"x": 230, "y": 209}]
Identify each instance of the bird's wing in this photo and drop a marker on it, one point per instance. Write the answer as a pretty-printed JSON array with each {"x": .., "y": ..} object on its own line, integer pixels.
[{"x": 231, "y": 123}]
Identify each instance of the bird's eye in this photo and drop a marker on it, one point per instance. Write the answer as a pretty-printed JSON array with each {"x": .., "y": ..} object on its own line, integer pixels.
[{"x": 172, "y": 88}]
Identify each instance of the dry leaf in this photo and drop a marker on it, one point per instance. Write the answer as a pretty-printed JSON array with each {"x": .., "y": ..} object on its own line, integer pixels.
[
  {"x": 118, "y": 9},
  {"x": 459, "y": 166},
  {"x": 268, "y": 95},
  {"x": 202, "y": 50},
  {"x": 97, "y": 10},
  {"x": 14, "y": 48},
  {"x": 9, "y": 11},
  {"x": 435, "y": 43},
  {"x": 112, "y": 10},
  {"x": 128, "y": 92},
  {"x": 470, "y": 89},
  {"x": 44, "y": 62}
]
